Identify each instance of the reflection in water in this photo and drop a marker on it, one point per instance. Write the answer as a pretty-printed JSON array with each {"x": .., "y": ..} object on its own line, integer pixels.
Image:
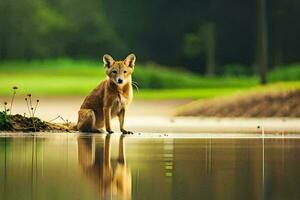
[
  {"x": 94, "y": 167},
  {"x": 94, "y": 155}
]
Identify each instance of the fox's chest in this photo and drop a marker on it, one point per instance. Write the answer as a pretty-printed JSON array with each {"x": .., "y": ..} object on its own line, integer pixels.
[{"x": 119, "y": 103}]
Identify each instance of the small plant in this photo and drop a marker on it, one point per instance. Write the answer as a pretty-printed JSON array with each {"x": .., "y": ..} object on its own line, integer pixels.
[
  {"x": 27, "y": 123},
  {"x": 31, "y": 108},
  {"x": 4, "y": 119},
  {"x": 5, "y": 123}
]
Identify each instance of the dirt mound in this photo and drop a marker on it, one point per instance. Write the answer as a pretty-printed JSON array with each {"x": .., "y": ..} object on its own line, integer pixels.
[
  {"x": 279, "y": 104},
  {"x": 32, "y": 124}
]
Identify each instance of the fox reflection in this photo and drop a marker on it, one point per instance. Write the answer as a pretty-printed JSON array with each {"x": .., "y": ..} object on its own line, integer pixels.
[{"x": 94, "y": 155}]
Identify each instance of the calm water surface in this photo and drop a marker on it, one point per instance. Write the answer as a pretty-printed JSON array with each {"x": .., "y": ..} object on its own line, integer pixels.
[{"x": 103, "y": 167}]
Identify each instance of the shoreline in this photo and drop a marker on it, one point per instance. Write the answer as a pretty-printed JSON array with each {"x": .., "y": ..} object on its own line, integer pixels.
[{"x": 196, "y": 125}]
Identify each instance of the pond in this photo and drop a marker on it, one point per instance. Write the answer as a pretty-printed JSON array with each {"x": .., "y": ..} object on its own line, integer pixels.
[{"x": 74, "y": 166}]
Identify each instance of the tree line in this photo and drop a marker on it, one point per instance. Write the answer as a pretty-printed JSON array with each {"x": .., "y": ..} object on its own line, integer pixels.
[{"x": 203, "y": 36}]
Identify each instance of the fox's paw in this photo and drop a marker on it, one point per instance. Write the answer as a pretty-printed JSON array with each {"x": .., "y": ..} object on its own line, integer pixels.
[
  {"x": 126, "y": 132},
  {"x": 109, "y": 131}
]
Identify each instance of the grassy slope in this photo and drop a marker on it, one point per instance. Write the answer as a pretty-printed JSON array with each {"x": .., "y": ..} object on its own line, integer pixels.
[
  {"x": 234, "y": 103},
  {"x": 69, "y": 77}
]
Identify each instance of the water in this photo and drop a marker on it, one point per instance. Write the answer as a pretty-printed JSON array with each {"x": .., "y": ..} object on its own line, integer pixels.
[{"x": 101, "y": 167}]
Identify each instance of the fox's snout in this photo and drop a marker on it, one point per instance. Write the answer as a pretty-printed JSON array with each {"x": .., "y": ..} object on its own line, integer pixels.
[{"x": 120, "y": 81}]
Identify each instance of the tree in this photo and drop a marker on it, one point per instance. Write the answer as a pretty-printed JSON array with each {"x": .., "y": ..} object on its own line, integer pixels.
[
  {"x": 262, "y": 36},
  {"x": 203, "y": 42}
]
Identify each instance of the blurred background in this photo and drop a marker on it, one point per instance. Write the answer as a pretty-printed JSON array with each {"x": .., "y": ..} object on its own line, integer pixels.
[{"x": 185, "y": 50}]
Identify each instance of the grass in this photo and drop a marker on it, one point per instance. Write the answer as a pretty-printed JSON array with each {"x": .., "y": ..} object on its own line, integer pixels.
[
  {"x": 207, "y": 93},
  {"x": 194, "y": 93},
  {"x": 65, "y": 77}
]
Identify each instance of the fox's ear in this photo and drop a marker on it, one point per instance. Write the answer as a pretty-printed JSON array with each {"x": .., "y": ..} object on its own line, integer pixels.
[
  {"x": 130, "y": 60},
  {"x": 108, "y": 60}
]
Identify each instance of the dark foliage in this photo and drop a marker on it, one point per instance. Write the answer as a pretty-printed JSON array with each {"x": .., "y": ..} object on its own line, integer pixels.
[
  {"x": 167, "y": 32},
  {"x": 4, "y": 121}
]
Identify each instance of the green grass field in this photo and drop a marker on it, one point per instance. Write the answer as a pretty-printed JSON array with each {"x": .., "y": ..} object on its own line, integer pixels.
[{"x": 64, "y": 77}]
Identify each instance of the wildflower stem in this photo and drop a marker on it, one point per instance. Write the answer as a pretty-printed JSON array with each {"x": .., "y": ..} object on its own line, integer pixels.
[
  {"x": 62, "y": 119},
  {"x": 55, "y": 118},
  {"x": 12, "y": 101},
  {"x": 37, "y": 102},
  {"x": 28, "y": 106}
]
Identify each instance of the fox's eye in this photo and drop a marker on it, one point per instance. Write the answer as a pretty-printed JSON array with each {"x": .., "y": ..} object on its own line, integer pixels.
[
  {"x": 125, "y": 72},
  {"x": 114, "y": 71}
]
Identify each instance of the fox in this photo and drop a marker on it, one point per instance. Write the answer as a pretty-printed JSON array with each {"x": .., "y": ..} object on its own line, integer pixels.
[{"x": 110, "y": 98}]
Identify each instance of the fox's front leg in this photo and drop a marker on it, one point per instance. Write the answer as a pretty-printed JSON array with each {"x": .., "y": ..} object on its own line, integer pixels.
[
  {"x": 121, "y": 116},
  {"x": 107, "y": 119}
]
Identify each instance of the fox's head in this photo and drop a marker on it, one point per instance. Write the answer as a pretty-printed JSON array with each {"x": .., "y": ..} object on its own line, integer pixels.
[{"x": 119, "y": 71}]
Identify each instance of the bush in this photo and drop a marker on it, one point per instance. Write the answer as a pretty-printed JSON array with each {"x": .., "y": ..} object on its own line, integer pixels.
[
  {"x": 4, "y": 121},
  {"x": 285, "y": 73},
  {"x": 236, "y": 69},
  {"x": 159, "y": 77},
  {"x": 154, "y": 76}
]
